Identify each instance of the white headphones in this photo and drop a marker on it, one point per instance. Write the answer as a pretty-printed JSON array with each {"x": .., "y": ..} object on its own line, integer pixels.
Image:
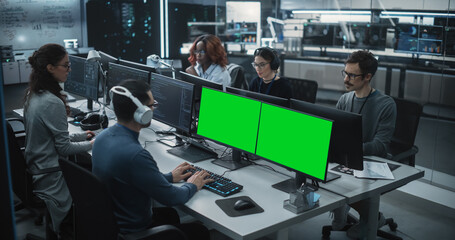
[{"x": 143, "y": 114}]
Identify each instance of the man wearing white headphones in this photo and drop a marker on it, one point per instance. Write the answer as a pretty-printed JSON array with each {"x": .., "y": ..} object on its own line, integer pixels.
[{"x": 131, "y": 173}]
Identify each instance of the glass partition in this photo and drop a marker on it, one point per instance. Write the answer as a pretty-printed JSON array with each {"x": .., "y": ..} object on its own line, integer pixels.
[{"x": 415, "y": 48}]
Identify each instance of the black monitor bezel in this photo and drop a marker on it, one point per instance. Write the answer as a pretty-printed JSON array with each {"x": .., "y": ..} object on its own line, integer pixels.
[
  {"x": 108, "y": 80},
  {"x": 199, "y": 82},
  {"x": 294, "y": 170},
  {"x": 97, "y": 82},
  {"x": 418, "y": 39},
  {"x": 351, "y": 129},
  {"x": 283, "y": 102},
  {"x": 185, "y": 130},
  {"x": 106, "y": 59},
  {"x": 139, "y": 66},
  {"x": 269, "y": 160},
  {"x": 221, "y": 143}
]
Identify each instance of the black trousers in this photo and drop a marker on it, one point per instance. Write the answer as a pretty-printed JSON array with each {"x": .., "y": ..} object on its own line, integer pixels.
[{"x": 168, "y": 215}]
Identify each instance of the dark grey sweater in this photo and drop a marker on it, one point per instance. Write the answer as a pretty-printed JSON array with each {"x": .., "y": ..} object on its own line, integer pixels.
[{"x": 378, "y": 120}]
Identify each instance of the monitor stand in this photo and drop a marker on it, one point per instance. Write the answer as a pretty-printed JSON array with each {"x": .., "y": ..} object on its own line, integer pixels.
[
  {"x": 89, "y": 104},
  {"x": 193, "y": 151},
  {"x": 291, "y": 185},
  {"x": 233, "y": 161},
  {"x": 331, "y": 176}
]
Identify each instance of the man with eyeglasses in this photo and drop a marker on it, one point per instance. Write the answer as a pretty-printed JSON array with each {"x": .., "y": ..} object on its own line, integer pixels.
[
  {"x": 132, "y": 175},
  {"x": 378, "y": 122},
  {"x": 266, "y": 63}
]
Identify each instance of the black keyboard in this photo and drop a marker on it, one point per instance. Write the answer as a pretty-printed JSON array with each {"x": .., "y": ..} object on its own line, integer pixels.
[{"x": 221, "y": 186}]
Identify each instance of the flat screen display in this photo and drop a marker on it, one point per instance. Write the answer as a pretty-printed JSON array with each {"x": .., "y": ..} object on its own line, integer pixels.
[
  {"x": 295, "y": 140},
  {"x": 117, "y": 73},
  {"x": 83, "y": 78},
  {"x": 419, "y": 39},
  {"x": 175, "y": 99},
  {"x": 318, "y": 34},
  {"x": 229, "y": 119}
]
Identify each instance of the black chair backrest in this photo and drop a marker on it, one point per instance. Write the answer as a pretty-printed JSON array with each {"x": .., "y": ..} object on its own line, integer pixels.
[
  {"x": 408, "y": 117},
  {"x": 93, "y": 207},
  {"x": 303, "y": 89},
  {"x": 237, "y": 76},
  {"x": 22, "y": 182}
]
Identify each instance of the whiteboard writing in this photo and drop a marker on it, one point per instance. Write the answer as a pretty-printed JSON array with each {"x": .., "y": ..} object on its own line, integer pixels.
[{"x": 29, "y": 24}]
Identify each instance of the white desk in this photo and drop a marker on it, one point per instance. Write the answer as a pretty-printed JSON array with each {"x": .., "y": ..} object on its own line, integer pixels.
[
  {"x": 368, "y": 191},
  {"x": 256, "y": 183}
]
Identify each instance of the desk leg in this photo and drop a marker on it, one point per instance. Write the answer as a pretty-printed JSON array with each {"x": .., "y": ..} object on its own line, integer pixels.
[
  {"x": 282, "y": 234},
  {"x": 370, "y": 211}
]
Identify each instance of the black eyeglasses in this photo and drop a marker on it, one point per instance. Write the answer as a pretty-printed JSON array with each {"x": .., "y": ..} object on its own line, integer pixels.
[
  {"x": 351, "y": 75},
  {"x": 196, "y": 52},
  {"x": 67, "y": 66},
  {"x": 259, "y": 65}
]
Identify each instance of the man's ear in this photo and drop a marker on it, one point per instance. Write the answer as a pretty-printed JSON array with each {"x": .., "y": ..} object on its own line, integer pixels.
[{"x": 368, "y": 77}]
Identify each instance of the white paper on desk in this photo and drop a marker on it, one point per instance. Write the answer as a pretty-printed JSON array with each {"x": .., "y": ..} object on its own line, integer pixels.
[{"x": 376, "y": 170}]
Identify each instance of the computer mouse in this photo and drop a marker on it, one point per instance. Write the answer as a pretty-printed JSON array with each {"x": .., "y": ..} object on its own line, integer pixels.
[{"x": 242, "y": 204}]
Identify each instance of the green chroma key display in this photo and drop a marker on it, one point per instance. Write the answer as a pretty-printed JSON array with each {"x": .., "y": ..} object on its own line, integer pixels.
[
  {"x": 295, "y": 140},
  {"x": 229, "y": 119}
]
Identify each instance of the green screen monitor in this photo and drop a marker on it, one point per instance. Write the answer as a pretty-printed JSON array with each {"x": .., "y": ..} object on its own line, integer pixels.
[
  {"x": 230, "y": 120},
  {"x": 295, "y": 140}
]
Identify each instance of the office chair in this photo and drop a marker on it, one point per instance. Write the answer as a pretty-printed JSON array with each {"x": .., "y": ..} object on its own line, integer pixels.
[
  {"x": 237, "y": 73},
  {"x": 303, "y": 89},
  {"x": 402, "y": 148},
  {"x": 22, "y": 181},
  {"x": 93, "y": 209}
]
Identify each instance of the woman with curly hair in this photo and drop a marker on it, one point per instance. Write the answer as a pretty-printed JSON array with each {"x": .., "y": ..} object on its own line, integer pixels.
[
  {"x": 47, "y": 137},
  {"x": 208, "y": 60}
]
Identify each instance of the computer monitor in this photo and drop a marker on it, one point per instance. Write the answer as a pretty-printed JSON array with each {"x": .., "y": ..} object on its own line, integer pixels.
[
  {"x": 367, "y": 36},
  {"x": 230, "y": 120},
  {"x": 137, "y": 65},
  {"x": 259, "y": 96},
  {"x": 117, "y": 73},
  {"x": 175, "y": 99},
  {"x": 106, "y": 59},
  {"x": 346, "y": 146},
  {"x": 407, "y": 38},
  {"x": 318, "y": 34},
  {"x": 199, "y": 83},
  {"x": 430, "y": 39},
  {"x": 449, "y": 47},
  {"x": 83, "y": 79},
  {"x": 295, "y": 140}
]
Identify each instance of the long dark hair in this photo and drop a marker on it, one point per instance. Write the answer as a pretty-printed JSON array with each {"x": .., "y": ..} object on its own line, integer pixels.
[{"x": 40, "y": 78}]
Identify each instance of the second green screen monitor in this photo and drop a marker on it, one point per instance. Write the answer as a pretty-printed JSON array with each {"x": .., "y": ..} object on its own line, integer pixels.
[{"x": 295, "y": 140}]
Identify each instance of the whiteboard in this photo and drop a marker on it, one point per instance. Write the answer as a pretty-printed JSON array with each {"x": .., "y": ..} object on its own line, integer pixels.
[
  {"x": 29, "y": 24},
  {"x": 243, "y": 11}
]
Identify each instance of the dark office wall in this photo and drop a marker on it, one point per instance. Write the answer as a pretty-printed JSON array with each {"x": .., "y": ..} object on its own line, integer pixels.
[
  {"x": 179, "y": 31},
  {"x": 128, "y": 29}
]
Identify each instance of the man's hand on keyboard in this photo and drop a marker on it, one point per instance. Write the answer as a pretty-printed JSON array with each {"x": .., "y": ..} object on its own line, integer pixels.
[
  {"x": 181, "y": 172},
  {"x": 200, "y": 178}
]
